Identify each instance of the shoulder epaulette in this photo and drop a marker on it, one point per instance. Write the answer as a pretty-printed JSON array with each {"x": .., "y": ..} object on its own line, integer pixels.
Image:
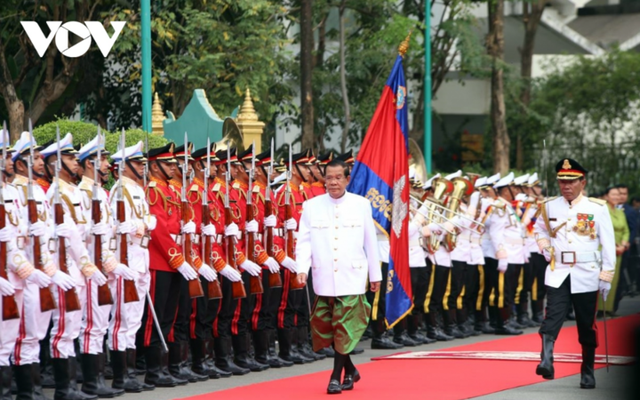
[
  {"x": 597, "y": 201},
  {"x": 256, "y": 189},
  {"x": 216, "y": 187},
  {"x": 236, "y": 185},
  {"x": 194, "y": 188},
  {"x": 152, "y": 184}
]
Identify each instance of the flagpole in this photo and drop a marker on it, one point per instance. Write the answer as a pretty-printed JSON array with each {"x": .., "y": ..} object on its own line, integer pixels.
[
  {"x": 427, "y": 85},
  {"x": 145, "y": 27}
]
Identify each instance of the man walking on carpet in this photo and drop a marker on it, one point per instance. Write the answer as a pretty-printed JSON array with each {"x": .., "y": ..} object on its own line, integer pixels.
[
  {"x": 575, "y": 234},
  {"x": 337, "y": 241}
]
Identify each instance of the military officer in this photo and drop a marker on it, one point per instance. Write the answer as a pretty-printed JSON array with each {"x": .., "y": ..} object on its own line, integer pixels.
[
  {"x": 341, "y": 259},
  {"x": 538, "y": 263},
  {"x": 489, "y": 196},
  {"x": 126, "y": 318},
  {"x": 575, "y": 234}
]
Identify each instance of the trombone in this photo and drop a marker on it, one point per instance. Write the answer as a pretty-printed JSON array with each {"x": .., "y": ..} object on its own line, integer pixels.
[
  {"x": 442, "y": 208},
  {"x": 444, "y": 228}
]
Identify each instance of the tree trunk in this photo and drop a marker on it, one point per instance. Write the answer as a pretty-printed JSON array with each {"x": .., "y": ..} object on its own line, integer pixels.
[
  {"x": 343, "y": 84},
  {"x": 531, "y": 20},
  {"x": 495, "y": 48},
  {"x": 15, "y": 106},
  {"x": 306, "y": 68}
]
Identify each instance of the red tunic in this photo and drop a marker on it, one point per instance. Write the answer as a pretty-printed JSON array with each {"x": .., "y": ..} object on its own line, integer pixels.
[
  {"x": 318, "y": 189},
  {"x": 216, "y": 217},
  {"x": 164, "y": 204}
]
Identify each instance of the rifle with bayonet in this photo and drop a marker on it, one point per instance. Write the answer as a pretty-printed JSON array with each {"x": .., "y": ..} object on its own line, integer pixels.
[
  {"x": 288, "y": 235},
  {"x": 274, "y": 277},
  {"x": 104, "y": 293},
  {"x": 130, "y": 290},
  {"x": 195, "y": 287},
  {"x": 47, "y": 302},
  {"x": 71, "y": 300},
  {"x": 214, "y": 291},
  {"x": 9, "y": 305},
  {"x": 255, "y": 282},
  {"x": 237, "y": 288}
]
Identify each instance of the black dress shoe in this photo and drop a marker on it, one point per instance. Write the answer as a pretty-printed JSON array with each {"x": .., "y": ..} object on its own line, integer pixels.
[
  {"x": 327, "y": 351},
  {"x": 357, "y": 350},
  {"x": 404, "y": 340},
  {"x": 384, "y": 343},
  {"x": 334, "y": 387},
  {"x": 349, "y": 380},
  {"x": 507, "y": 330}
]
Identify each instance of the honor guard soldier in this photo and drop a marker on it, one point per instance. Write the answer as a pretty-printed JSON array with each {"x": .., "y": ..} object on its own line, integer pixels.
[
  {"x": 17, "y": 277},
  {"x": 126, "y": 316},
  {"x": 317, "y": 172},
  {"x": 95, "y": 322},
  {"x": 61, "y": 157},
  {"x": 293, "y": 314},
  {"x": 34, "y": 321},
  {"x": 167, "y": 264},
  {"x": 538, "y": 263},
  {"x": 507, "y": 236},
  {"x": 575, "y": 235},
  {"x": 489, "y": 196}
]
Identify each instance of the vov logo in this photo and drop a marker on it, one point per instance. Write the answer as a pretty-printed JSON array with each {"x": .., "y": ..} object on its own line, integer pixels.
[{"x": 85, "y": 31}]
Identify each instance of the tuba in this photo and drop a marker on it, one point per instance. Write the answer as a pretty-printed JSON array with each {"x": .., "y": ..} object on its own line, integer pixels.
[
  {"x": 231, "y": 137},
  {"x": 441, "y": 188},
  {"x": 461, "y": 187}
]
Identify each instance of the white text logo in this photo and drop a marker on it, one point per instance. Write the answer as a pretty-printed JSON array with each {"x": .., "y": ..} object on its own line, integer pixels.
[{"x": 61, "y": 31}]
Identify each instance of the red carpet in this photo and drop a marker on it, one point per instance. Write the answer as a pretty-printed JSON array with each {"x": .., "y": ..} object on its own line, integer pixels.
[{"x": 412, "y": 379}]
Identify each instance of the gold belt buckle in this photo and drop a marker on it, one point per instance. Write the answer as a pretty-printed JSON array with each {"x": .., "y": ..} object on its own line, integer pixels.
[{"x": 568, "y": 253}]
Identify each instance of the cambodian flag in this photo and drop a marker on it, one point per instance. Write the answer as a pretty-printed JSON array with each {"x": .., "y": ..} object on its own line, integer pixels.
[{"x": 381, "y": 174}]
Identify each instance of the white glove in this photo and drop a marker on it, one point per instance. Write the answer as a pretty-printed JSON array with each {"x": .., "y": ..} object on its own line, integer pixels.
[
  {"x": 546, "y": 254},
  {"x": 152, "y": 222},
  {"x": 290, "y": 264},
  {"x": 6, "y": 235},
  {"x": 63, "y": 230},
  {"x": 6, "y": 288},
  {"x": 231, "y": 273},
  {"x": 435, "y": 228},
  {"x": 98, "y": 278},
  {"x": 604, "y": 288},
  {"x": 271, "y": 221},
  {"x": 125, "y": 272},
  {"x": 209, "y": 230},
  {"x": 273, "y": 265},
  {"x": 188, "y": 272},
  {"x": 63, "y": 281},
  {"x": 232, "y": 230},
  {"x": 189, "y": 228},
  {"x": 39, "y": 278},
  {"x": 251, "y": 226},
  {"x": 503, "y": 263},
  {"x": 291, "y": 224},
  {"x": 208, "y": 272},
  {"x": 38, "y": 229},
  {"x": 127, "y": 227},
  {"x": 100, "y": 229},
  {"x": 251, "y": 267}
]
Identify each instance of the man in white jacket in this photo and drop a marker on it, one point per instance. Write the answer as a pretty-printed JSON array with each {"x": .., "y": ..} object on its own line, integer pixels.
[{"x": 337, "y": 241}]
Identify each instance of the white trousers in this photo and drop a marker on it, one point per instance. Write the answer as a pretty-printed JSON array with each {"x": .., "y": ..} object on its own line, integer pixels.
[
  {"x": 9, "y": 331},
  {"x": 66, "y": 325},
  {"x": 126, "y": 318},
  {"x": 33, "y": 326},
  {"x": 95, "y": 322}
]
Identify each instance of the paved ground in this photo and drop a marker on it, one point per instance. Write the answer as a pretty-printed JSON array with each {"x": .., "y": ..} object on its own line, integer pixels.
[{"x": 613, "y": 385}]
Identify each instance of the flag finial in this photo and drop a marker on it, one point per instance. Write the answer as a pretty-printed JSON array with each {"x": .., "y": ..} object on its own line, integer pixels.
[{"x": 404, "y": 46}]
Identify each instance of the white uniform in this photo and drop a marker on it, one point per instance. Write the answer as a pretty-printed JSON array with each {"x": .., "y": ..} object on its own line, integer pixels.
[
  {"x": 18, "y": 269},
  {"x": 127, "y": 317},
  {"x": 507, "y": 233},
  {"x": 584, "y": 242},
  {"x": 33, "y": 322},
  {"x": 67, "y": 325},
  {"x": 342, "y": 235},
  {"x": 95, "y": 320}
]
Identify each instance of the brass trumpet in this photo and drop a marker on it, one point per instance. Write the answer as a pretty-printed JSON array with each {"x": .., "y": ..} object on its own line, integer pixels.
[
  {"x": 442, "y": 208},
  {"x": 461, "y": 187}
]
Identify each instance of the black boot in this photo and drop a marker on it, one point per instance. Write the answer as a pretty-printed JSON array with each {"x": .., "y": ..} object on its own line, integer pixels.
[
  {"x": 5, "y": 383},
  {"x": 242, "y": 357},
  {"x": 224, "y": 361},
  {"x": 503, "y": 327},
  {"x": 400, "y": 335},
  {"x": 587, "y": 377},
  {"x": 434, "y": 331},
  {"x": 46, "y": 368},
  {"x": 304, "y": 347},
  {"x": 295, "y": 347},
  {"x": 24, "y": 381},
  {"x": 451, "y": 325},
  {"x": 271, "y": 349},
  {"x": 286, "y": 351},
  {"x": 121, "y": 378},
  {"x": 209, "y": 360},
  {"x": 413, "y": 324},
  {"x": 64, "y": 374},
  {"x": 131, "y": 377},
  {"x": 261, "y": 348},
  {"x": 538, "y": 314},
  {"x": 545, "y": 368},
  {"x": 38, "y": 394},
  {"x": 156, "y": 375},
  {"x": 327, "y": 351},
  {"x": 92, "y": 365},
  {"x": 198, "y": 365},
  {"x": 176, "y": 364},
  {"x": 380, "y": 340}
]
